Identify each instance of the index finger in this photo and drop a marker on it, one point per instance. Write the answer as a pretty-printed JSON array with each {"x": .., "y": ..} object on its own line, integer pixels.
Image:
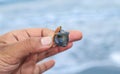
[{"x": 73, "y": 36}]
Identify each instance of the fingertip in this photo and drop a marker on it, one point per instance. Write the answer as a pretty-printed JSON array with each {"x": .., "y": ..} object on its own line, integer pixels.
[
  {"x": 75, "y": 35},
  {"x": 52, "y": 62}
]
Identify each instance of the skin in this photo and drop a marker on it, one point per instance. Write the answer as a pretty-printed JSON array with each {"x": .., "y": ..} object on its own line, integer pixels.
[{"x": 21, "y": 50}]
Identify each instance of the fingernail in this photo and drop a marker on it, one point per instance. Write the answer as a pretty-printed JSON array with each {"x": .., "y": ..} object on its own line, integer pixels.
[{"x": 46, "y": 41}]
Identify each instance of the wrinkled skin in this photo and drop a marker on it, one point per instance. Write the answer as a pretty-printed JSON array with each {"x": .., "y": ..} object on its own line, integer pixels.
[{"x": 21, "y": 50}]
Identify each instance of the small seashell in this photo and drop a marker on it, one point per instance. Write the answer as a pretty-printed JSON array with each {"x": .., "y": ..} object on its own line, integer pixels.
[{"x": 61, "y": 37}]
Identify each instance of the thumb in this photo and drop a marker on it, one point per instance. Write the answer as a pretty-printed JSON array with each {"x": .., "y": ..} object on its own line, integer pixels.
[{"x": 22, "y": 49}]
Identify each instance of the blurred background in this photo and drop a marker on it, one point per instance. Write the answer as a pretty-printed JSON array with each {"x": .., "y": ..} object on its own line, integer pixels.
[{"x": 99, "y": 21}]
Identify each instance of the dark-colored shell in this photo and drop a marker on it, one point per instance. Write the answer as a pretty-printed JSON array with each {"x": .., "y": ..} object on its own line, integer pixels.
[{"x": 61, "y": 38}]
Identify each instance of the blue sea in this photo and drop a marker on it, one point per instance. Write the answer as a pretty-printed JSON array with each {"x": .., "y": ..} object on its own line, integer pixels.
[{"x": 99, "y": 21}]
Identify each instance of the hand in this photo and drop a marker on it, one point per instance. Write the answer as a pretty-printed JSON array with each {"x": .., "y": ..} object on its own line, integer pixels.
[{"x": 21, "y": 50}]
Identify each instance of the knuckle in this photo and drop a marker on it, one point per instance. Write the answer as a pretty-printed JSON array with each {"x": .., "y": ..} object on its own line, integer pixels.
[{"x": 4, "y": 38}]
